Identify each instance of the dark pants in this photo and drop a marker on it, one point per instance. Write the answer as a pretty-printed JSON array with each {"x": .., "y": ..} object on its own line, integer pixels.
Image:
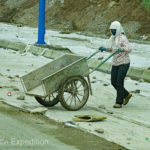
[{"x": 118, "y": 74}]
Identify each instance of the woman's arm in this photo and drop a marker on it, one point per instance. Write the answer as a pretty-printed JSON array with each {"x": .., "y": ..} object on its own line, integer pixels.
[
  {"x": 124, "y": 44},
  {"x": 108, "y": 49}
]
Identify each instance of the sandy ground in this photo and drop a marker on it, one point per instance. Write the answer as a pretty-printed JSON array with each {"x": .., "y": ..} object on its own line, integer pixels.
[
  {"x": 25, "y": 131},
  {"x": 128, "y": 126}
]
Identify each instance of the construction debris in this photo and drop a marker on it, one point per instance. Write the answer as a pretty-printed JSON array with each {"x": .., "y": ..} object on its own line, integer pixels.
[
  {"x": 40, "y": 110},
  {"x": 99, "y": 130},
  {"x": 88, "y": 118}
]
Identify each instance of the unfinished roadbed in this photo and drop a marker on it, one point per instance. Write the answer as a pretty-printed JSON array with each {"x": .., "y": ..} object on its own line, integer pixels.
[
  {"x": 132, "y": 120},
  {"x": 53, "y": 52}
]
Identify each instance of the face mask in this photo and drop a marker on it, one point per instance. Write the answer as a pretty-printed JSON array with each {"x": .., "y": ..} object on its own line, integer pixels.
[{"x": 113, "y": 31}]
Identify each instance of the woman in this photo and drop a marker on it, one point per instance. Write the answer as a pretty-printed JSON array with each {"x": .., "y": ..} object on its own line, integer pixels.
[{"x": 121, "y": 62}]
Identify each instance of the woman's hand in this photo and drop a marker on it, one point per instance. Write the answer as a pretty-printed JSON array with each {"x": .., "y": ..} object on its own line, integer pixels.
[
  {"x": 119, "y": 50},
  {"x": 102, "y": 48}
]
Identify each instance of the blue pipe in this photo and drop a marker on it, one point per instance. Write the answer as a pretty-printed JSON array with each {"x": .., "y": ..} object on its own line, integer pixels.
[{"x": 41, "y": 26}]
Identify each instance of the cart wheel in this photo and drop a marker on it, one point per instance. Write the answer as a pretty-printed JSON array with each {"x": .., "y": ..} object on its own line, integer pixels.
[
  {"x": 73, "y": 93},
  {"x": 48, "y": 101}
]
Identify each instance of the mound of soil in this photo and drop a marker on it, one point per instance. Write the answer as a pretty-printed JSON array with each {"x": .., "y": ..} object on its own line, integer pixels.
[{"x": 92, "y": 16}]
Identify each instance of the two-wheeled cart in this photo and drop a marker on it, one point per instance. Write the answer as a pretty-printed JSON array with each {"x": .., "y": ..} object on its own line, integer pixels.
[{"x": 65, "y": 80}]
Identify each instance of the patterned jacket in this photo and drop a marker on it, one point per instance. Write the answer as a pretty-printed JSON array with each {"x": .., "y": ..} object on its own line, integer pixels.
[{"x": 122, "y": 57}]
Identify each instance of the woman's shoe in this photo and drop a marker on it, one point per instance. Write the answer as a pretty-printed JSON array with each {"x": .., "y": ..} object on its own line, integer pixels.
[
  {"x": 127, "y": 99},
  {"x": 117, "y": 106}
]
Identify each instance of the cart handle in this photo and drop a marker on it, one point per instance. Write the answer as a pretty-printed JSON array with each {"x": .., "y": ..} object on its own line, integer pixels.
[
  {"x": 102, "y": 61},
  {"x": 92, "y": 54}
]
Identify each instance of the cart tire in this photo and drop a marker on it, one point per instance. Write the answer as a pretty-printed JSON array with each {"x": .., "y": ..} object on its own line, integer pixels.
[
  {"x": 48, "y": 101},
  {"x": 77, "y": 89}
]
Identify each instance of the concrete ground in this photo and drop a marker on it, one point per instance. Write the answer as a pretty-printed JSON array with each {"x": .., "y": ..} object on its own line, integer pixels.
[
  {"x": 78, "y": 44},
  {"x": 128, "y": 126},
  {"x": 25, "y": 131}
]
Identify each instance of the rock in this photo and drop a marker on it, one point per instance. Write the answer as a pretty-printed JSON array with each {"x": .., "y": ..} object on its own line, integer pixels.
[
  {"x": 110, "y": 112},
  {"x": 141, "y": 80},
  {"x": 102, "y": 106},
  {"x": 24, "y": 106},
  {"x": 7, "y": 69},
  {"x": 99, "y": 130},
  {"x": 16, "y": 89},
  {"x": 127, "y": 78},
  {"x": 21, "y": 97},
  {"x": 19, "y": 25},
  {"x": 100, "y": 58},
  {"x": 90, "y": 124},
  {"x": 128, "y": 142},
  {"x": 70, "y": 123},
  {"x": 65, "y": 32},
  {"x": 136, "y": 91},
  {"x": 94, "y": 77},
  {"x": 17, "y": 76},
  {"x": 40, "y": 110},
  {"x": 106, "y": 84},
  {"x": 93, "y": 81},
  {"x": 111, "y": 4},
  {"x": 10, "y": 77}
]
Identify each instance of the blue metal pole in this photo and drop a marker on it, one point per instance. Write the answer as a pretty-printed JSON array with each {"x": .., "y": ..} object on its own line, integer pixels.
[{"x": 41, "y": 26}]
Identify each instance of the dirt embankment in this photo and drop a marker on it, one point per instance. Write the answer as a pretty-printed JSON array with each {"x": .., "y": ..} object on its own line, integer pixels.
[{"x": 92, "y": 16}]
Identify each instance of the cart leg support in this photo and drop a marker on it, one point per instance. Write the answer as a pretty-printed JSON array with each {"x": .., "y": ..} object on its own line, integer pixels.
[{"x": 88, "y": 77}]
